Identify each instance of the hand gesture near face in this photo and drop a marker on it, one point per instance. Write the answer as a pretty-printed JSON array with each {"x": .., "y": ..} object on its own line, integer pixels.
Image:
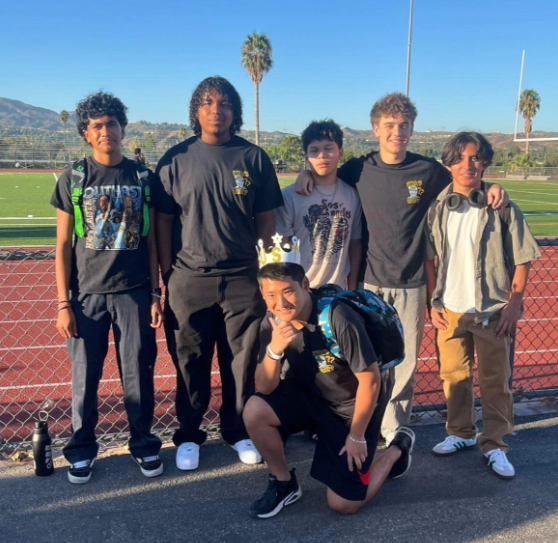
[{"x": 283, "y": 333}]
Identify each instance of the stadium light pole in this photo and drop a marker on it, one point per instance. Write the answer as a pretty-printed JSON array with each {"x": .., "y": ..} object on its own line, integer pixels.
[{"x": 409, "y": 50}]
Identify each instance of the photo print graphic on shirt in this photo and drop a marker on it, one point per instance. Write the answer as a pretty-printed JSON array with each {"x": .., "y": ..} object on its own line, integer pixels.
[
  {"x": 113, "y": 217},
  {"x": 415, "y": 191},
  {"x": 242, "y": 182},
  {"x": 328, "y": 224}
]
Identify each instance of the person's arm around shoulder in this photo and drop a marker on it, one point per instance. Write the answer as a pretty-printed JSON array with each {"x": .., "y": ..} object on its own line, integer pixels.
[
  {"x": 66, "y": 322},
  {"x": 268, "y": 371},
  {"x": 349, "y": 172},
  {"x": 496, "y": 196}
]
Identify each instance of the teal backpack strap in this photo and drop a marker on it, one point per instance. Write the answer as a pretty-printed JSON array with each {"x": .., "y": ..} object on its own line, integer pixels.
[
  {"x": 324, "y": 321},
  {"x": 79, "y": 173},
  {"x": 143, "y": 178}
]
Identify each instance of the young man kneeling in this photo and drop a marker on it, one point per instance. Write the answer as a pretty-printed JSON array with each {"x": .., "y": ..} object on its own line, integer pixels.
[{"x": 342, "y": 398}]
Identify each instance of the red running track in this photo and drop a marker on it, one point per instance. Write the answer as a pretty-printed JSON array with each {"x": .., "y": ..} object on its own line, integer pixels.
[{"x": 35, "y": 370}]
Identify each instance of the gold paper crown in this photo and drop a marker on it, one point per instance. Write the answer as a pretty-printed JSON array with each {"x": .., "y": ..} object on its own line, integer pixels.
[{"x": 278, "y": 252}]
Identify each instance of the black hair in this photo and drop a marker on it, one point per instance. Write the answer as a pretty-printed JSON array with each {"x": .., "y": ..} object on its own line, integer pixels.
[
  {"x": 222, "y": 86},
  {"x": 137, "y": 151},
  {"x": 97, "y": 105},
  {"x": 322, "y": 130},
  {"x": 393, "y": 105},
  {"x": 454, "y": 148},
  {"x": 279, "y": 271}
]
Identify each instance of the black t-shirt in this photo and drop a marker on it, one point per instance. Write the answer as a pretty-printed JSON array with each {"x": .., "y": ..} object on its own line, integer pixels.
[
  {"x": 314, "y": 368},
  {"x": 112, "y": 256},
  {"x": 214, "y": 191},
  {"x": 395, "y": 200}
]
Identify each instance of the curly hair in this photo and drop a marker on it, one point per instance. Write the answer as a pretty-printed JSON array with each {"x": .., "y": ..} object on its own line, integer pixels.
[
  {"x": 454, "y": 148},
  {"x": 393, "y": 105},
  {"x": 322, "y": 130},
  {"x": 222, "y": 86},
  {"x": 97, "y": 105}
]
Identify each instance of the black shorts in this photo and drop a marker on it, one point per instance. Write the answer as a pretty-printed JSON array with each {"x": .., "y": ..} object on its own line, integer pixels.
[{"x": 298, "y": 410}]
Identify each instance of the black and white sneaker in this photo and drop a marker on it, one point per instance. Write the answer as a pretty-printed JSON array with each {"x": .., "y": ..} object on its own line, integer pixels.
[
  {"x": 404, "y": 440},
  {"x": 80, "y": 472},
  {"x": 278, "y": 494},
  {"x": 150, "y": 466}
]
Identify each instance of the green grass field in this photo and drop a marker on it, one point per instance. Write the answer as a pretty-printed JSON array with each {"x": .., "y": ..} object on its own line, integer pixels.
[{"x": 27, "y": 218}]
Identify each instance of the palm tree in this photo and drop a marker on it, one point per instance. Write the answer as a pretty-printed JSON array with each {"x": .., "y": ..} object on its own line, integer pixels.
[
  {"x": 256, "y": 59},
  {"x": 64, "y": 116},
  {"x": 529, "y": 104}
]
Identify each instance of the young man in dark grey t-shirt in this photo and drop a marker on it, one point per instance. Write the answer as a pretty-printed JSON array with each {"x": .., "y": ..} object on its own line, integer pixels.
[
  {"x": 396, "y": 189},
  {"x": 217, "y": 199},
  {"x": 106, "y": 263}
]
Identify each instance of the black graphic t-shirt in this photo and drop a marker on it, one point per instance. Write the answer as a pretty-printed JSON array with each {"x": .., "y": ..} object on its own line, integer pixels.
[
  {"x": 112, "y": 255},
  {"x": 314, "y": 368},
  {"x": 214, "y": 191},
  {"x": 395, "y": 200}
]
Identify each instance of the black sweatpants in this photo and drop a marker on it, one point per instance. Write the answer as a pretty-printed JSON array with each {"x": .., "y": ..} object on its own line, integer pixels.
[{"x": 202, "y": 312}]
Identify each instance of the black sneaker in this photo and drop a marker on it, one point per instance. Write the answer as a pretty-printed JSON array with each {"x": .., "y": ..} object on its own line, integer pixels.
[
  {"x": 404, "y": 440},
  {"x": 278, "y": 494},
  {"x": 80, "y": 472},
  {"x": 150, "y": 466}
]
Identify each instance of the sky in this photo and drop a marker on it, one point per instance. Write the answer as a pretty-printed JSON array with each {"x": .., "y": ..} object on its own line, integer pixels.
[{"x": 331, "y": 59}]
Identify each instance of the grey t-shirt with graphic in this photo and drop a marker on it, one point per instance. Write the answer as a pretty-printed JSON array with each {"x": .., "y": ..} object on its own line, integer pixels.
[{"x": 325, "y": 225}]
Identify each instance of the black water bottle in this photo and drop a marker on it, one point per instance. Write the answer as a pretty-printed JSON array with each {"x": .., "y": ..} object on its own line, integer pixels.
[{"x": 42, "y": 450}]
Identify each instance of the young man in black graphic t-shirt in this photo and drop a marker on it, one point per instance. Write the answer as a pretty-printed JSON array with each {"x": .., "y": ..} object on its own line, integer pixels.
[
  {"x": 342, "y": 397},
  {"x": 396, "y": 189},
  {"x": 104, "y": 278},
  {"x": 217, "y": 199}
]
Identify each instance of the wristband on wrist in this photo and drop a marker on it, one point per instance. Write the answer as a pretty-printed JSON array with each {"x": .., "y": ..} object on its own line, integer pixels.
[
  {"x": 360, "y": 442},
  {"x": 273, "y": 355},
  {"x": 63, "y": 302},
  {"x": 65, "y": 307},
  {"x": 157, "y": 292}
]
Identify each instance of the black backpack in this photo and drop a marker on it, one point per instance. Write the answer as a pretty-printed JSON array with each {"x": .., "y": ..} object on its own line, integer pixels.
[{"x": 380, "y": 318}]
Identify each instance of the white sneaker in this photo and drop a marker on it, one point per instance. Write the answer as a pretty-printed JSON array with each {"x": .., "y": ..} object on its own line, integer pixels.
[
  {"x": 500, "y": 465},
  {"x": 453, "y": 444},
  {"x": 188, "y": 456},
  {"x": 247, "y": 452}
]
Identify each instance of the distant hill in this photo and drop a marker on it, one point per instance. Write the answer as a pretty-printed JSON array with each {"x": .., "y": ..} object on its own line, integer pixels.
[
  {"x": 19, "y": 115},
  {"x": 14, "y": 113}
]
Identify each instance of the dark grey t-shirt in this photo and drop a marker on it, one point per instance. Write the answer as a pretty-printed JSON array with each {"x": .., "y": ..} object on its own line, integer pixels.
[
  {"x": 112, "y": 256},
  {"x": 214, "y": 191},
  {"x": 395, "y": 200}
]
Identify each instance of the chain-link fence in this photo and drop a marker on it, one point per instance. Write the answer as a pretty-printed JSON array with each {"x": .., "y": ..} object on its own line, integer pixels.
[{"x": 35, "y": 372}]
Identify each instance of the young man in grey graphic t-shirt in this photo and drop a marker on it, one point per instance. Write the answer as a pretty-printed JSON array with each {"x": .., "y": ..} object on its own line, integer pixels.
[{"x": 328, "y": 222}]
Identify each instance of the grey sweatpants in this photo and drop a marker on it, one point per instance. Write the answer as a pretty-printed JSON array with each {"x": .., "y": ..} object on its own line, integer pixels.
[{"x": 411, "y": 307}]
